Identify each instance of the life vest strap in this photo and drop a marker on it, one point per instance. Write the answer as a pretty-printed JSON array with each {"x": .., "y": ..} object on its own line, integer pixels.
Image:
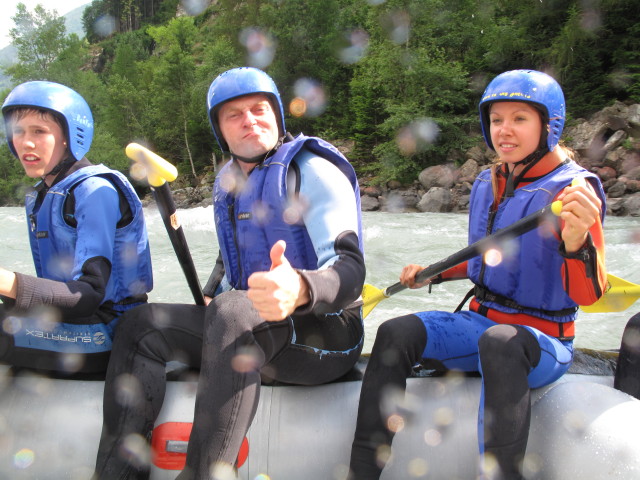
[{"x": 483, "y": 294}]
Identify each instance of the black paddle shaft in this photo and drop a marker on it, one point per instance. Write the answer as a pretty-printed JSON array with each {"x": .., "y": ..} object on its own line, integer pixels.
[
  {"x": 516, "y": 229},
  {"x": 167, "y": 209}
]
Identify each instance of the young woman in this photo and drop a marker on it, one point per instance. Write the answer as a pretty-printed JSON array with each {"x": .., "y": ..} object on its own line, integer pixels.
[
  {"x": 87, "y": 233},
  {"x": 519, "y": 329}
]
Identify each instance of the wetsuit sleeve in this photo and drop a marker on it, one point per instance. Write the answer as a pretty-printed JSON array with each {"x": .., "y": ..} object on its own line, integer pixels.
[
  {"x": 74, "y": 299},
  {"x": 97, "y": 212},
  {"x": 583, "y": 272},
  {"x": 332, "y": 220},
  {"x": 459, "y": 272}
]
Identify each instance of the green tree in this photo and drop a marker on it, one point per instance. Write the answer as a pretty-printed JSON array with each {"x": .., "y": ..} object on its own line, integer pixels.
[
  {"x": 410, "y": 95},
  {"x": 96, "y": 21},
  {"x": 13, "y": 181},
  {"x": 39, "y": 38},
  {"x": 172, "y": 87},
  {"x": 217, "y": 56}
]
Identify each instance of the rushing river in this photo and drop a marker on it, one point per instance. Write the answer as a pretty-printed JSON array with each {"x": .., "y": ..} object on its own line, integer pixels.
[{"x": 391, "y": 241}]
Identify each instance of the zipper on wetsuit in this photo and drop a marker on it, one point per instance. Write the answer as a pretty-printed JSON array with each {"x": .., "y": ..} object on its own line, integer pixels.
[
  {"x": 232, "y": 216},
  {"x": 490, "y": 222}
]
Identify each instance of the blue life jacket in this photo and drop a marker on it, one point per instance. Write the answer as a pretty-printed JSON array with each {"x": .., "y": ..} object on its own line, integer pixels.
[
  {"x": 251, "y": 218},
  {"x": 529, "y": 271},
  {"x": 57, "y": 256}
]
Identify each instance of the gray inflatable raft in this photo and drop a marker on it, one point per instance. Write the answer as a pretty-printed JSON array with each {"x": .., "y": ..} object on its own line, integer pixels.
[{"x": 581, "y": 428}]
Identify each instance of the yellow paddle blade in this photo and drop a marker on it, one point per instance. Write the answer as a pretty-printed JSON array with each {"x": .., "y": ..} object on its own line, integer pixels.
[
  {"x": 371, "y": 296},
  {"x": 619, "y": 296}
]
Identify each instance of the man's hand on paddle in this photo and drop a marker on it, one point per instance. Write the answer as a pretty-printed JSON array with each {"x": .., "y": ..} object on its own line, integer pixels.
[
  {"x": 277, "y": 293},
  {"x": 8, "y": 285},
  {"x": 580, "y": 211}
]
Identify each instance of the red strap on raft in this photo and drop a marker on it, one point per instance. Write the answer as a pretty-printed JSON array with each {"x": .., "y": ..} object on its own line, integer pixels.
[{"x": 169, "y": 446}]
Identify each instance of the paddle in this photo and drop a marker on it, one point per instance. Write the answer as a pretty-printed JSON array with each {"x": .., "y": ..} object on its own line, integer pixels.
[
  {"x": 371, "y": 295},
  {"x": 619, "y": 295},
  {"x": 158, "y": 173}
]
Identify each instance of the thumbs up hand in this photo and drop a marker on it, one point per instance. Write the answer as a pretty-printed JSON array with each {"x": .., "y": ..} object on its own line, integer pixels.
[{"x": 277, "y": 293}]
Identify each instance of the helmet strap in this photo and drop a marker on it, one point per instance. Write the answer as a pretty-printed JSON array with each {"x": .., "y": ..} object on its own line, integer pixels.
[
  {"x": 61, "y": 167},
  {"x": 529, "y": 161},
  {"x": 261, "y": 158}
]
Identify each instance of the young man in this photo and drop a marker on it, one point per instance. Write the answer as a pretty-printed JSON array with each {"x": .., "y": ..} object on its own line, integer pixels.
[
  {"x": 87, "y": 233},
  {"x": 287, "y": 214}
]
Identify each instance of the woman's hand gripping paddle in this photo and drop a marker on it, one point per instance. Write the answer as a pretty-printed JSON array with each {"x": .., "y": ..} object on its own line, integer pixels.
[
  {"x": 158, "y": 173},
  {"x": 371, "y": 295}
]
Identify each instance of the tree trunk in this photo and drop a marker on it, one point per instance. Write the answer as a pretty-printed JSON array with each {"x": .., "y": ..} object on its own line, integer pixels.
[{"x": 186, "y": 144}]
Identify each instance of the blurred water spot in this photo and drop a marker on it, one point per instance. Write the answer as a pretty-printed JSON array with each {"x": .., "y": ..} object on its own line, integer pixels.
[
  {"x": 397, "y": 24},
  {"x": 383, "y": 453},
  {"x": 138, "y": 172},
  {"x": 418, "y": 467},
  {"x": 298, "y": 107},
  {"x": 432, "y": 437},
  {"x": 533, "y": 463},
  {"x": 136, "y": 450},
  {"x": 620, "y": 79},
  {"x": 395, "y": 423},
  {"x": 310, "y": 97},
  {"x": 340, "y": 472},
  {"x": 490, "y": 465},
  {"x": 128, "y": 390},
  {"x": 24, "y": 458},
  {"x": 493, "y": 257},
  {"x": 104, "y": 25},
  {"x": 295, "y": 210},
  {"x": 261, "y": 46},
  {"x": 443, "y": 416},
  {"x": 71, "y": 362},
  {"x": 228, "y": 182},
  {"x": 358, "y": 44},
  {"x": 590, "y": 20},
  {"x": 417, "y": 136},
  {"x": 194, "y": 7},
  {"x": 246, "y": 360}
]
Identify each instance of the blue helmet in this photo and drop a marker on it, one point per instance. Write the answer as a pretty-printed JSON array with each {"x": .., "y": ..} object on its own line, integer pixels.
[
  {"x": 527, "y": 86},
  {"x": 238, "y": 82},
  {"x": 63, "y": 102}
]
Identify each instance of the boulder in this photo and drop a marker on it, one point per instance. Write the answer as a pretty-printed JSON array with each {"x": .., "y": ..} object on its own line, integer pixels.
[
  {"x": 369, "y": 204},
  {"x": 632, "y": 205},
  {"x": 436, "y": 176},
  {"x": 437, "y": 199}
]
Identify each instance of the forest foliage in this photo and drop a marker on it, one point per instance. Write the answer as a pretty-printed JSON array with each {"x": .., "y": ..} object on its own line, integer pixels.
[{"x": 397, "y": 79}]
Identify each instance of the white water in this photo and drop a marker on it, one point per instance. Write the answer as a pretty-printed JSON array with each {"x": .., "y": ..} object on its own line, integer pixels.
[{"x": 391, "y": 241}]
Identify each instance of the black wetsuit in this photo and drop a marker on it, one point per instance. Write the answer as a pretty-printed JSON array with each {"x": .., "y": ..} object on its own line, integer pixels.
[
  {"x": 236, "y": 349},
  {"x": 627, "y": 378}
]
